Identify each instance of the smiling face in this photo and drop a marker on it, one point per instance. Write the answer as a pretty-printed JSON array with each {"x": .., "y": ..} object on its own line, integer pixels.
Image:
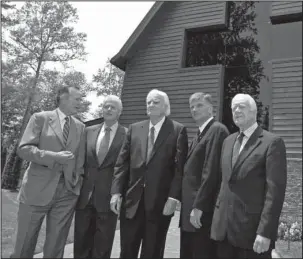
[
  {"x": 243, "y": 114},
  {"x": 155, "y": 105}
]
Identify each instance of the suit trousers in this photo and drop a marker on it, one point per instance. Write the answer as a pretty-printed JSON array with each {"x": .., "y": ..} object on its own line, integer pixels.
[
  {"x": 226, "y": 250},
  {"x": 149, "y": 231},
  {"x": 197, "y": 244},
  {"x": 94, "y": 232},
  {"x": 59, "y": 214}
]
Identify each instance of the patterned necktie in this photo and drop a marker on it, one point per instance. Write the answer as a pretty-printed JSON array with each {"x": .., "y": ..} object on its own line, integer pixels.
[
  {"x": 237, "y": 147},
  {"x": 104, "y": 145},
  {"x": 151, "y": 141},
  {"x": 66, "y": 129}
]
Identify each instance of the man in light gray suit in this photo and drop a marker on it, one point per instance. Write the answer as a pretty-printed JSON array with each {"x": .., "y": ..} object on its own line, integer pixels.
[{"x": 54, "y": 143}]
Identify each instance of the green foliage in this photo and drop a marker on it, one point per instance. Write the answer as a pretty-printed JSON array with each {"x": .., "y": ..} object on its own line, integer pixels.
[
  {"x": 44, "y": 33},
  {"x": 109, "y": 80}
]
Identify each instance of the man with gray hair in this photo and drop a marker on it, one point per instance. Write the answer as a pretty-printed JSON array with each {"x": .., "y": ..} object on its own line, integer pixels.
[
  {"x": 252, "y": 192},
  {"x": 95, "y": 223},
  {"x": 201, "y": 180},
  {"x": 148, "y": 179}
]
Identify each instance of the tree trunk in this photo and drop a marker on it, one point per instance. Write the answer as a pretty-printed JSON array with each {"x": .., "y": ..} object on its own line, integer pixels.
[
  {"x": 3, "y": 158},
  {"x": 12, "y": 168}
]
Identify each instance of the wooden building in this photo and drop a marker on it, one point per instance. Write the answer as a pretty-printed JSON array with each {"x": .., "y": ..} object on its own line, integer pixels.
[{"x": 220, "y": 48}]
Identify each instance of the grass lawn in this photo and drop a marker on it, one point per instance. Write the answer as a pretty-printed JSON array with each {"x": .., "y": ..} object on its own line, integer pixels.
[{"x": 9, "y": 223}]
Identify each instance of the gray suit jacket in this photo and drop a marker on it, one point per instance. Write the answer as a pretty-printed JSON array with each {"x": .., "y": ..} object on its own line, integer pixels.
[{"x": 41, "y": 139}]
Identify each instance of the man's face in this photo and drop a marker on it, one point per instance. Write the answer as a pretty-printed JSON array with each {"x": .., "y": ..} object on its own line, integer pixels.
[
  {"x": 200, "y": 110},
  {"x": 73, "y": 101},
  {"x": 155, "y": 105},
  {"x": 242, "y": 114},
  {"x": 111, "y": 111}
]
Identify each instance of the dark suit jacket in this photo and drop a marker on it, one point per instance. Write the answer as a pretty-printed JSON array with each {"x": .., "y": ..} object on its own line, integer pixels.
[
  {"x": 201, "y": 181},
  {"x": 99, "y": 177},
  {"x": 162, "y": 174},
  {"x": 252, "y": 193}
]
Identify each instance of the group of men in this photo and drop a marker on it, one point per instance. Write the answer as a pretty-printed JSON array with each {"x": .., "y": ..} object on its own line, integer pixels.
[{"x": 231, "y": 187}]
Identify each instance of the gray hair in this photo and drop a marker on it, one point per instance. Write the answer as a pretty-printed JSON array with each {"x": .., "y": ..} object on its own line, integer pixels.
[
  {"x": 164, "y": 96},
  {"x": 201, "y": 96},
  {"x": 114, "y": 98},
  {"x": 251, "y": 101}
]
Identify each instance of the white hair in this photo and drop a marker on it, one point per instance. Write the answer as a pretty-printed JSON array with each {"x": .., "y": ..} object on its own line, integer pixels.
[
  {"x": 114, "y": 98},
  {"x": 156, "y": 92},
  {"x": 249, "y": 99}
]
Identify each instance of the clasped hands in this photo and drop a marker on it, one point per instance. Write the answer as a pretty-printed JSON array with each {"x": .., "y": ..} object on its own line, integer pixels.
[
  {"x": 63, "y": 157},
  {"x": 116, "y": 201}
]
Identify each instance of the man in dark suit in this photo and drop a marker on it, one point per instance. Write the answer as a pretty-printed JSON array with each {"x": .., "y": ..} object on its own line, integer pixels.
[
  {"x": 53, "y": 142},
  {"x": 253, "y": 186},
  {"x": 95, "y": 223},
  {"x": 148, "y": 178},
  {"x": 201, "y": 180}
]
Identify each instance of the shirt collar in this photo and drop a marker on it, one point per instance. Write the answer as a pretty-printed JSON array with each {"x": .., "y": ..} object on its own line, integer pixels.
[
  {"x": 158, "y": 125},
  {"x": 248, "y": 132},
  {"x": 113, "y": 127},
  {"x": 61, "y": 114},
  {"x": 202, "y": 127}
]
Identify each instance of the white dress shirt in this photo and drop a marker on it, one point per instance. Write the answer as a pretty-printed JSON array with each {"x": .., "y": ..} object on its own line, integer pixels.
[
  {"x": 157, "y": 127},
  {"x": 112, "y": 133},
  {"x": 202, "y": 127},
  {"x": 62, "y": 117},
  {"x": 247, "y": 134}
]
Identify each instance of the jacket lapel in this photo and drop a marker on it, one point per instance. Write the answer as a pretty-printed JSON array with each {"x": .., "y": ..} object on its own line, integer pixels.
[
  {"x": 163, "y": 134},
  {"x": 250, "y": 145},
  {"x": 229, "y": 145},
  {"x": 54, "y": 122},
  {"x": 202, "y": 134},
  {"x": 117, "y": 138},
  {"x": 93, "y": 137},
  {"x": 74, "y": 132},
  {"x": 144, "y": 139}
]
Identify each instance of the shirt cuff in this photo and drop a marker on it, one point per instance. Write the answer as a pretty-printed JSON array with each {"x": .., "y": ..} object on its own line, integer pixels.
[{"x": 173, "y": 199}]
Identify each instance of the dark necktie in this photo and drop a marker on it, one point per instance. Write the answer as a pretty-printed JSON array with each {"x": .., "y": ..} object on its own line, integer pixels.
[
  {"x": 104, "y": 145},
  {"x": 151, "y": 141},
  {"x": 66, "y": 129},
  {"x": 237, "y": 147},
  {"x": 195, "y": 140}
]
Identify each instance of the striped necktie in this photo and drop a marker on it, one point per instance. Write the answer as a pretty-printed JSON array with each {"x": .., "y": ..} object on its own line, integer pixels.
[
  {"x": 66, "y": 130},
  {"x": 151, "y": 141}
]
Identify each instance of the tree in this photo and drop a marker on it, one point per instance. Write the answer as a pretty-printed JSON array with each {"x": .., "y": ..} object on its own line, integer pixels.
[
  {"x": 107, "y": 81},
  {"x": 237, "y": 50},
  {"x": 43, "y": 34}
]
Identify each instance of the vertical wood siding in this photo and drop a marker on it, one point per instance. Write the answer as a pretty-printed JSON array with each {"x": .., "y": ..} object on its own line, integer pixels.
[
  {"x": 155, "y": 62},
  {"x": 287, "y": 103}
]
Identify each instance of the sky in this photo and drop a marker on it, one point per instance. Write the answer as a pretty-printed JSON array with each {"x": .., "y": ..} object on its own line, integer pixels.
[{"x": 108, "y": 25}]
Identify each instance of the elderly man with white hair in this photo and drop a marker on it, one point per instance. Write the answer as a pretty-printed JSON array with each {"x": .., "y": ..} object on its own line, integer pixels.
[
  {"x": 252, "y": 192},
  {"x": 95, "y": 223},
  {"x": 148, "y": 179}
]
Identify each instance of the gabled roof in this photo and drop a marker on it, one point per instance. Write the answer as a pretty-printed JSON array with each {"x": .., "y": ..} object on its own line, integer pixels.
[{"x": 119, "y": 60}]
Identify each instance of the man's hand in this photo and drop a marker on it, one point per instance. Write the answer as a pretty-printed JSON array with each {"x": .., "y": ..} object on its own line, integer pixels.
[
  {"x": 63, "y": 157},
  {"x": 195, "y": 218},
  {"x": 170, "y": 206},
  {"x": 115, "y": 203},
  {"x": 261, "y": 244}
]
